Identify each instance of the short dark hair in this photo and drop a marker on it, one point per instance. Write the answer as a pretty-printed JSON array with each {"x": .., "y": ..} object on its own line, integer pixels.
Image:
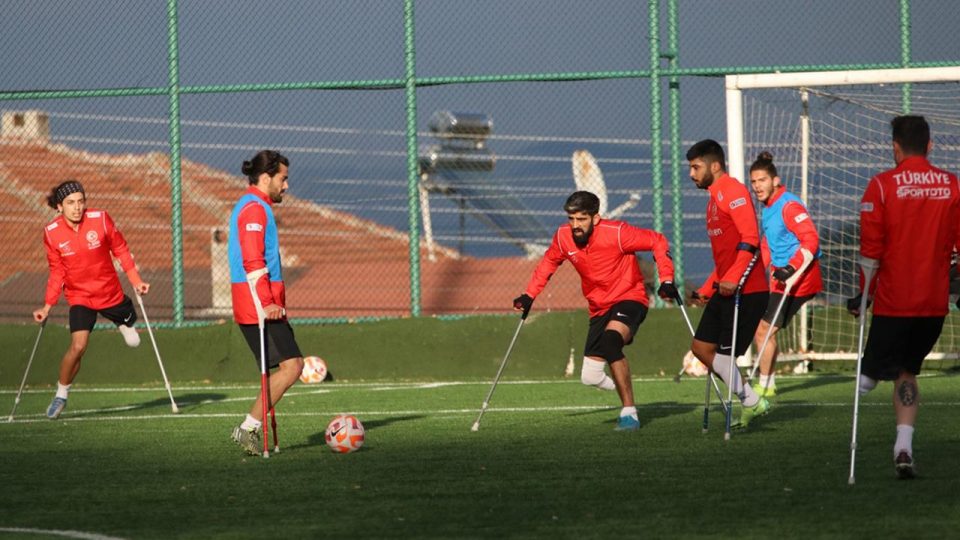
[
  {"x": 265, "y": 161},
  {"x": 764, "y": 162},
  {"x": 708, "y": 150},
  {"x": 912, "y": 133},
  {"x": 582, "y": 201}
]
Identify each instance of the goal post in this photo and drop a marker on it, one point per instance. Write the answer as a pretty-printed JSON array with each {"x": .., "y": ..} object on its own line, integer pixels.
[{"x": 829, "y": 134}]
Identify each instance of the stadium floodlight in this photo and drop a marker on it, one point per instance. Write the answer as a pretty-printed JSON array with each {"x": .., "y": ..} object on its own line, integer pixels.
[
  {"x": 830, "y": 133},
  {"x": 23, "y": 382}
]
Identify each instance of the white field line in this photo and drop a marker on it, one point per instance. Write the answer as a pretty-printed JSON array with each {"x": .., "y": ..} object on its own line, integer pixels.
[
  {"x": 31, "y": 419},
  {"x": 393, "y": 385},
  {"x": 58, "y": 532}
]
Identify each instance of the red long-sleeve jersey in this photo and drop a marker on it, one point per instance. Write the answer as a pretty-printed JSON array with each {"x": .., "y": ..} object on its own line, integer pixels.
[
  {"x": 608, "y": 269},
  {"x": 798, "y": 221},
  {"x": 81, "y": 264},
  {"x": 910, "y": 222},
  {"x": 732, "y": 221},
  {"x": 252, "y": 228}
]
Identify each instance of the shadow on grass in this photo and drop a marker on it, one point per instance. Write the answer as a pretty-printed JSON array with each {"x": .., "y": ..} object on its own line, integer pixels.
[
  {"x": 814, "y": 382},
  {"x": 317, "y": 439},
  {"x": 647, "y": 412},
  {"x": 184, "y": 403}
]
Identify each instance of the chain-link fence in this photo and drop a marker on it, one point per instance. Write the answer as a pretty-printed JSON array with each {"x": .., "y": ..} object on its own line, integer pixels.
[{"x": 451, "y": 126}]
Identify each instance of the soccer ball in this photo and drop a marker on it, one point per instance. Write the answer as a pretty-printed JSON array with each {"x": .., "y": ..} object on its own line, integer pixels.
[
  {"x": 314, "y": 370},
  {"x": 692, "y": 366},
  {"x": 344, "y": 434}
]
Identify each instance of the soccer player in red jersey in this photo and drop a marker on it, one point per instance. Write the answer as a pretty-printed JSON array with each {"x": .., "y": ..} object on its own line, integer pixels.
[
  {"x": 734, "y": 240},
  {"x": 789, "y": 242},
  {"x": 79, "y": 245},
  {"x": 909, "y": 225},
  {"x": 602, "y": 252},
  {"x": 254, "y": 253}
]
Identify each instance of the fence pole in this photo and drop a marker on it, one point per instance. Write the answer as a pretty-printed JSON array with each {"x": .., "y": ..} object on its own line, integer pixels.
[
  {"x": 656, "y": 121},
  {"x": 905, "y": 53},
  {"x": 413, "y": 195},
  {"x": 676, "y": 165},
  {"x": 176, "y": 212}
]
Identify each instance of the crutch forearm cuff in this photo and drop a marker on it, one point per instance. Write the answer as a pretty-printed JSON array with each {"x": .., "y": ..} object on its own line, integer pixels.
[{"x": 867, "y": 262}]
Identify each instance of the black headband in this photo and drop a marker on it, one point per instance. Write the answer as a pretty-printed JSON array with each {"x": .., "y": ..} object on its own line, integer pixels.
[{"x": 66, "y": 189}]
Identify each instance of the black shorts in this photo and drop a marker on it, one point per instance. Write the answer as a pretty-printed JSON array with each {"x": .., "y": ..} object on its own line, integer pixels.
[
  {"x": 790, "y": 308},
  {"x": 716, "y": 324},
  {"x": 83, "y": 318},
  {"x": 280, "y": 344},
  {"x": 897, "y": 344},
  {"x": 629, "y": 312}
]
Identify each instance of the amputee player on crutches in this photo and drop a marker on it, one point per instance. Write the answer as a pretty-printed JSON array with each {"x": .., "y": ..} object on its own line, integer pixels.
[
  {"x": 909, "y": 224},
  {"x": 254, "y": 253},
  {"x": 602, "y": 252},
  {"x": 79, "y": 244},
  {"x": 734, "y": 240},
  {"x": 791, "y": 251}
]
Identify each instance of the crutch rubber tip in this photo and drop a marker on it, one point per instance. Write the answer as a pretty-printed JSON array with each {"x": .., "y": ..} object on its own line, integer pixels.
[
  {"x": 175, "y": 409},
  {"x": 676, "y": 378},
  {"x": 704, "y": 430},
  {"x": 726, "y": 436},
  {"x": 276, "y": 449},
  {"x": 851, "y": 481},
  {"x": 10, "y": 419},
  {"x": 266, "y": 455},
  {"x": 476, "y": 427}
]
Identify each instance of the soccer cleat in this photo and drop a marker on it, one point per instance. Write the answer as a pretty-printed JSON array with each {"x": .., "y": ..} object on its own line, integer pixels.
[
  {"x": 627, "y": 423},
  {"x": 769, "y": 391},
  {"x": 249, "y": 440},
  {"x": 904, "y": 466},
  {"x": 56, "y": 407},
  {"x": 749, "y": 413}
]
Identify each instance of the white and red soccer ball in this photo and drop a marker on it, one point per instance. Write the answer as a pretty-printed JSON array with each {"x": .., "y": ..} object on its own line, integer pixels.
[
  {"x": 344, "y": 434},
  {"x": 692, "y": 366},
  {"x": 314, "y": 370}
]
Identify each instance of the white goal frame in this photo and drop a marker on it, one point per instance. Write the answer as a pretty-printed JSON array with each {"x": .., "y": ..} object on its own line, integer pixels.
[{"x": 736, "y": 144}]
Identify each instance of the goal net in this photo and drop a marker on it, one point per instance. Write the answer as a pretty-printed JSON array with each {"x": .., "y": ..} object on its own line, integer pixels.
[{"x": 829, "y": 133}]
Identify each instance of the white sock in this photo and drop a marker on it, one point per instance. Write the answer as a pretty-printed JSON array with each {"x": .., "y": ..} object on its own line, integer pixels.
[
  {"x": 250, "y": 423},
  {"x": 628, "y": 411},
  {"x": 904, "y": 440},
  {"x": 767, "y": 381},
  {"x": 721, "y": 366},
  {"x": 62, "y": 390},
  {"x": 866, "y": 384}
]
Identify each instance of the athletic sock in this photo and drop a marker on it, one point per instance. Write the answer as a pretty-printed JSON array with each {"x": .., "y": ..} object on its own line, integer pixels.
[
  {"x": 904, "y": 440},
  {"x": 628, "y": 411},
  {"x": 62, "y": 390},
  {"x": 767, "y": 381},
  {"x": 721, "y": 365},
  {"x": 250, "y": 423},
  {"x": 866, "y": 384}
]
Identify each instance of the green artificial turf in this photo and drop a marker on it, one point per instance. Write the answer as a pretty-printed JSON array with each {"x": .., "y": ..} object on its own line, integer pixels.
[{"x": 546, "y": 463}]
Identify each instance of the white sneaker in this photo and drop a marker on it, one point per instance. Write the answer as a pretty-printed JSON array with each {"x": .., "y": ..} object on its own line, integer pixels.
[{"x": 130, "y": 335}]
